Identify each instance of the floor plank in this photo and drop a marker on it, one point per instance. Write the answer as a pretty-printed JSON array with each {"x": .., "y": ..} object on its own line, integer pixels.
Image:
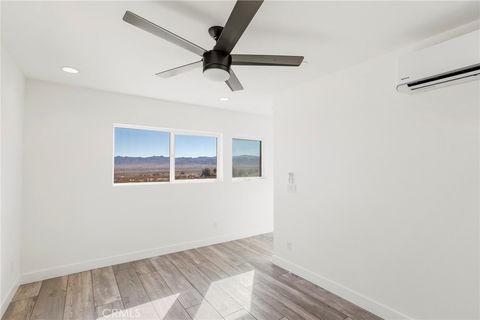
[
  {"x": 169, "y": 308},
  {"x": 26, "y": 291},
  {"x": 204, "y": 311},
  {"x": 259, "y": 261},
  {"x": 105, "y": 310},
  {"x": 79, "y": 300},
  {"x": 165, "y": 302},
  {"x": 213, "y": 293},
  {"x": 187, "y": 294},
  {"x": 240, "y": 315},
  {"x": 257, "y": 245},
  {"x": 19, "y": 309},
  {"x": 283, "y": 306},
  {"x": 105, "y": 289},
  {"x": 155, "y": 285},
  {"x": 50, "y": 302},
  {"x": 144, "y": 266},
  {"x": 131, "y": 289},
  {"x": 208, "y": 268},
  {"x": 135, "y": 300},
  {"x": 241, "y": 273}
]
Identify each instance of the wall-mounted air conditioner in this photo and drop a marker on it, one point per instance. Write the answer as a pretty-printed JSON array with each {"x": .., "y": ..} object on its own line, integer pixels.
[{"x": 447, "y": 63}]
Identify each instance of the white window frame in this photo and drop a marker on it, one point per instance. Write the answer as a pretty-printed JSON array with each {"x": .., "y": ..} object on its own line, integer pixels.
[
  {"x": 173, "y": 132},
  {"x": 262, "y": 158}
]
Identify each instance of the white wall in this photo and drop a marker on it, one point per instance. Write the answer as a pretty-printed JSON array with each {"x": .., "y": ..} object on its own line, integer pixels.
[
  {"x": 12, "y": 84},
  {"x": 76, "y": 219},
  {"x": 387, "y": 205}
]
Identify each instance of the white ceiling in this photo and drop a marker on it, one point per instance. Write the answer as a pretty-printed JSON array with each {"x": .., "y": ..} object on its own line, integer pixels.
[{"x": 112, "y": 55}]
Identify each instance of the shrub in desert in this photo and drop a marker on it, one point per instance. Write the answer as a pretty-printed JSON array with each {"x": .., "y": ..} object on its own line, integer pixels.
[{"x": 206, "y": 172}]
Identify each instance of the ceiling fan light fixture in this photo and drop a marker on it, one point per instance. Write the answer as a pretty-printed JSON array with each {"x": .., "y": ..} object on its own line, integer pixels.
[
  {"x": 216, "y": 74},
  {"x": 216, "y": 65}
]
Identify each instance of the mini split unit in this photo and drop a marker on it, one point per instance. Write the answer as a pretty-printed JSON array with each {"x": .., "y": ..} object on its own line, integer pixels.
[{"x": 447, "y": 63}]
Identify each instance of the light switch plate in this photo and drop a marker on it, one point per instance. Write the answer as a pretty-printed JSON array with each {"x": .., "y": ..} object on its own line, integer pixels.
[{"x": 292, "y": 188}]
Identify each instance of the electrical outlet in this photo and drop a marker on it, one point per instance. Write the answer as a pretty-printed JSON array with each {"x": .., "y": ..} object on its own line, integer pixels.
[{"x": 289, "y": 246}]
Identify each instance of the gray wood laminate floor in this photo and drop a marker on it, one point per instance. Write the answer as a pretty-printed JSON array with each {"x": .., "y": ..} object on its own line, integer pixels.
[{"x": 233, "y": 281}]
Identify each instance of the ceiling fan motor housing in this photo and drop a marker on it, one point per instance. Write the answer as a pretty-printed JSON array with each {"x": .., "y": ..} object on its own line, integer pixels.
[{"x": 216, "y": 60}]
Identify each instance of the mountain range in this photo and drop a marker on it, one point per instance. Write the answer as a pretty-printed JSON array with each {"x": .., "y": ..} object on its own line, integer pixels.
[{"x": 161, "y": 161}]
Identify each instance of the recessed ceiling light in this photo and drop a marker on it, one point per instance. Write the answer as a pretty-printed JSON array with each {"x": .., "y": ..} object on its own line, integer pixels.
[
  {"x": 223, "y": 99},
  {"x": 69, "y": 70}
]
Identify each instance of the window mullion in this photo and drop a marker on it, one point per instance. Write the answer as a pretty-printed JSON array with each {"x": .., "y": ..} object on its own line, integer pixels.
[{"x": 172, "y": 156}]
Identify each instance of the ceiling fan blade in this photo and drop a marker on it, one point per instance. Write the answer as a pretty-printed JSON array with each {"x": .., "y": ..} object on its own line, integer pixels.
[
  {"x": 151, "y": 27},
  {"x": 242, "y": 13},
  {"x": 265, "y": 60},
  {"x": 174, "y": 71},
  {"x": 233, "y": 83}
]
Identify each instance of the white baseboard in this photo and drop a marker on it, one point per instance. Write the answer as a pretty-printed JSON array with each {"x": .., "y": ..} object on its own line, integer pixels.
[
  {"x": 357, "y": 298},
  {"x": 9, "y": 297},
  {"x": 131, "y": 256}
]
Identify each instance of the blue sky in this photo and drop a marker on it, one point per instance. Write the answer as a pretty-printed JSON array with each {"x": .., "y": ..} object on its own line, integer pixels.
[
  {"x": 141, "y": 143},
  {"x": 146, "y": 143},
  {"x": 241, "y": 147},
  {"x": 195, "y": 146}
]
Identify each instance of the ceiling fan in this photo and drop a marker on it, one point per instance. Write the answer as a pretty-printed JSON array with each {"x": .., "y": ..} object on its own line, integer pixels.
[{"x": 218, "y": 61}]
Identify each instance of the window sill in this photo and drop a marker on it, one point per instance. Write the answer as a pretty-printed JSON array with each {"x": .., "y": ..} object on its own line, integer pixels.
[
  {"x": 238, "y": 179},
  {"x": 186, "y": 181}
]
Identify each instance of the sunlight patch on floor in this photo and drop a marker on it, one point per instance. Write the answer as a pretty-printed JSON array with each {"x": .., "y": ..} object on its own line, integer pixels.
[{"x": 239, "y": 287}]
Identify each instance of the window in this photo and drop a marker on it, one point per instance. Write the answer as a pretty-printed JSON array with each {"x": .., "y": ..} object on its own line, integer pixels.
[
  {"x": 246, "y": 158},
  {"x": 195, "y": 157},
  {"x": 141, "y": 156},
  {"x": 148, "y": 155}
]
